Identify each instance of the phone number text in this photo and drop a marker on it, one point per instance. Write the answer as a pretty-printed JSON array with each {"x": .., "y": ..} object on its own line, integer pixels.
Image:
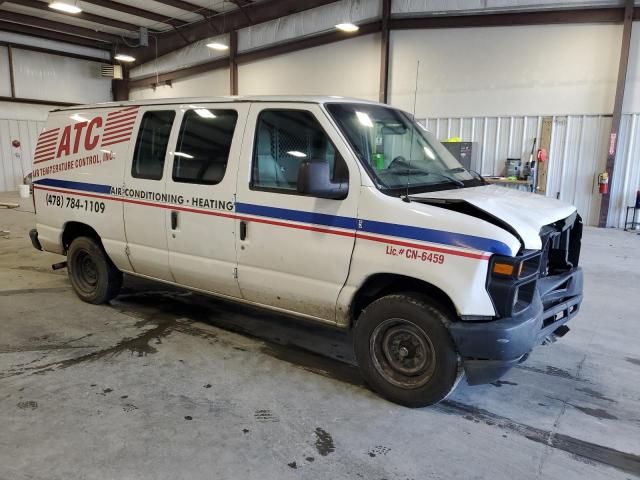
[{"x": 93, "y": 206}]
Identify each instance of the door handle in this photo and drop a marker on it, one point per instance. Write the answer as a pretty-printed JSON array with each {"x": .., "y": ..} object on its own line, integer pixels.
[
  {"x": 174, "y": 220},
  {"x": 243, "y": 230}
]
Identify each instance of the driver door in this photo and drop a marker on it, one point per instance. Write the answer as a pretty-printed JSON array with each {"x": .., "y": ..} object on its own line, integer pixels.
[{"x": 293, "y": 250}]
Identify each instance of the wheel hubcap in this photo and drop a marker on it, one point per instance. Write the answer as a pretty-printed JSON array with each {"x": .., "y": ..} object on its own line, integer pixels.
[
  {"x": 85, "y": 271},
  {"x": 402, "y": 353}
]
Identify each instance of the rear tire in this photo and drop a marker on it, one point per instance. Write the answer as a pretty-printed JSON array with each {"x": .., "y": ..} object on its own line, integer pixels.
[
  {"x": 93, "y": 275},
  {"x": 404, "y": 350}
]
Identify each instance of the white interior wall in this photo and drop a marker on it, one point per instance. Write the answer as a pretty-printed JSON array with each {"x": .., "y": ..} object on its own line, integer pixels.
[
  {"x": 54, "y": 77},
  {"x": 45, "y": 77},
  {"x": 22, "y": 122},
  {"x": 346, "y": 68},
  {"x": 24, "y": 111},
  {"x": 526, "y": 70},
  {"x": 212, "y": 83}
]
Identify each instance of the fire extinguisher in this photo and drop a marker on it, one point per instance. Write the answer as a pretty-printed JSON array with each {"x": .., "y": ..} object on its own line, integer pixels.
[
  {"x": 603, "y": 183},
  {"x": 541, "y": 155}
]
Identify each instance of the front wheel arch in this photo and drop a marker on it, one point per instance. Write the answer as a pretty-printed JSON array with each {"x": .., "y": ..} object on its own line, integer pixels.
[{"x": 382, "y": 284}]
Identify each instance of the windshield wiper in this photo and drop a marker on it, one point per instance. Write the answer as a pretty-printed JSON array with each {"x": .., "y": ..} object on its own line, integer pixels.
[
  {"x": 448, "y": 179},
  {"x": 472, "y": 172}
]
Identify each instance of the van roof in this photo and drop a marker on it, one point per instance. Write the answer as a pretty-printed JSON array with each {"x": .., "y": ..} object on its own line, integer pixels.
[{"x": 223, "y": 99}]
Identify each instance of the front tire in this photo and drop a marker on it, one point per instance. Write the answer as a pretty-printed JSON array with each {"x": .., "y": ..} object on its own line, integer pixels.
[
  {"x": 404, "y": 350},
  {"x": 93, "y": 275}
]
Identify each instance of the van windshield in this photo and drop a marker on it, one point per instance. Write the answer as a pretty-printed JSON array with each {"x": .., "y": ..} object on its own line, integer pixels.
[{"x": 400, "y": 155}]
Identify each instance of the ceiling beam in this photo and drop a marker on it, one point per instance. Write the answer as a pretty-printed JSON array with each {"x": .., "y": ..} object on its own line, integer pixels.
[
  {"x": 177, "y": 74},
  {"x": 258, "y": 12},
  {"x": 138, "y": 12},
  {"x": 37, "y": 101},
  {"x": 89, "y": 17},
  {"x": 189, "y": 7},
  {"x": 49, "y": 51},
  {"x": 51, "y": 35},
  {"x": 59, "y": 26},
  {"x": 548, "y": 17},
  {"x": 241, "y": 3},
  {"x": 297, "y": 44}
]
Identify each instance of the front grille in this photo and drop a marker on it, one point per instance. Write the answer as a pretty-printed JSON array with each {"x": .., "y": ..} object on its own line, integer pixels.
[
  {"x": 560, "y": 246},
  {"x": 560, "y": 254}
]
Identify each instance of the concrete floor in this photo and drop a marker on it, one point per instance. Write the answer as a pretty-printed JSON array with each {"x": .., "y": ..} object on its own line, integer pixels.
[{"x": 164, "y": 384}]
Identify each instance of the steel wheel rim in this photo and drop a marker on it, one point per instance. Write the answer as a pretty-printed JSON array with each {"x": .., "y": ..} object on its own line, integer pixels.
[
  {"x": 402, "y": 353},
  {"x": 85, "y": 271}
]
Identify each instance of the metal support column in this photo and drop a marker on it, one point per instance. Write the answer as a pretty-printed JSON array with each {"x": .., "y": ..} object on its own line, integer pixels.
[
  {"x": 617, "y": 107},
  {"x": 384, "y": 52},
  {"x": 233, "y": 64},
  {"x": 12, "y": 80}
]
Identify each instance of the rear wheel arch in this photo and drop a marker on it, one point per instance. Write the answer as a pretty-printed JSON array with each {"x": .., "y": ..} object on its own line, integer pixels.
[
  {"x": 383, "y": 284},
  {"x": 73, "y": 230}
]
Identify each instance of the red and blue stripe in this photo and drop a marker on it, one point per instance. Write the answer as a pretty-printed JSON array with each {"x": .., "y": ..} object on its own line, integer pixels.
[{"x": 403, "y": 235}]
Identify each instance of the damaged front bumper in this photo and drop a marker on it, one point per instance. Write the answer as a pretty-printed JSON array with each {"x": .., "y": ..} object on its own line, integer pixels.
[{"x": 490, "y": 348}]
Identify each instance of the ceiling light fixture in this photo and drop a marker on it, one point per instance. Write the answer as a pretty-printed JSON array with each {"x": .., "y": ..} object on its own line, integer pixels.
[
  {"x": 218, "y": 46},
  {"x": 65, "y": 7},
  {"x": 182, "y": 154},
  {"x": 125, "y": 58},
  {"x": 347, "y": 27}
]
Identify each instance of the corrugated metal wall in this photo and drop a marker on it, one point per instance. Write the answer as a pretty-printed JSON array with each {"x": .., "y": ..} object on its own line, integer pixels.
[
  {"x": 626, "y": 176},
  {"x": 578, "y": 153},
  {"x": 12, "y": 165}
]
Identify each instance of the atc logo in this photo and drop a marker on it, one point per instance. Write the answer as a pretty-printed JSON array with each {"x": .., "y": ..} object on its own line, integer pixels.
[
  {"x": 118, "y": 128},
  {"x": 78, "y": 129}
]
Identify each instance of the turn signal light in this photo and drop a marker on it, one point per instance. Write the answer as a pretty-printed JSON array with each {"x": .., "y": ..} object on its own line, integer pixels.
[
  {"x": 507, "y": 269},
  {"x": 503, "y": 269}
]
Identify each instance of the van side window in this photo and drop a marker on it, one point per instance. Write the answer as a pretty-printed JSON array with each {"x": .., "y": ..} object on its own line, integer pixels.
[
  {"x": 285, "y": 139},
  {"x": 202, "y": 150},
  {"x": 151, "y": 144}
]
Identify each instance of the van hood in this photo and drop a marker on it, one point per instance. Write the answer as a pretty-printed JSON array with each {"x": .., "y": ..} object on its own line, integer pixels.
[{"x": 523, "y": 213}]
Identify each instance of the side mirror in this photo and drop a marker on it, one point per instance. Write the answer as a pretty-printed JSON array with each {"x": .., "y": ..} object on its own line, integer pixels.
[{"x": 314, "y": 178}]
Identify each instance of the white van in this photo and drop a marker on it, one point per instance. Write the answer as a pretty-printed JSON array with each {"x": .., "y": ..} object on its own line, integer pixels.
[{"x": 341, "y": 211}]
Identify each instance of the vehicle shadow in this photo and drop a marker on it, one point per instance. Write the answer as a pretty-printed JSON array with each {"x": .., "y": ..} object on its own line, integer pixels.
[{"x": 318, "y": 348}]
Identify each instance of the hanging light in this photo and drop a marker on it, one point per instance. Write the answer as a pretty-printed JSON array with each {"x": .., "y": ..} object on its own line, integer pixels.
[
  {"x": 218, "y": 46},
  {"x": 124, "y": 58},
  {"x": 65, "y": 7},
  {"x": 348, "y": 27}
]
